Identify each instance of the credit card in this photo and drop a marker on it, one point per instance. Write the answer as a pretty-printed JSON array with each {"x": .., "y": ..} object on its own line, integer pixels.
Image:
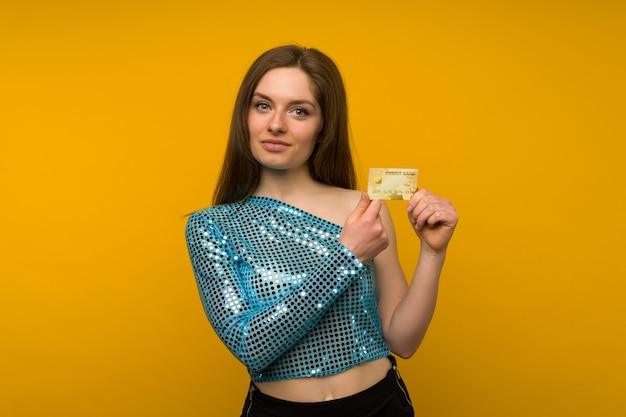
[{"x": 392, "y": 183}]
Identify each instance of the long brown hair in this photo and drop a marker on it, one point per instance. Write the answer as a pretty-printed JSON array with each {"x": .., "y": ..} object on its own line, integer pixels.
[{"x": 331, "y": 161}]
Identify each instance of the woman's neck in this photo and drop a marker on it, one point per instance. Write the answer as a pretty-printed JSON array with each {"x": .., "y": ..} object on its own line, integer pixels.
[{"x": 286, "y": 185}]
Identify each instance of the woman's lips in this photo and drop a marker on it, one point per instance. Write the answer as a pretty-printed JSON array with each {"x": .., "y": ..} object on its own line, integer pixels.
[{"x": 273, "y": 145}]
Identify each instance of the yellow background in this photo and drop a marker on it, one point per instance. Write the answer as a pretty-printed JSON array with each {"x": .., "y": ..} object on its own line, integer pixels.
[{"x": 113, "y": 118}]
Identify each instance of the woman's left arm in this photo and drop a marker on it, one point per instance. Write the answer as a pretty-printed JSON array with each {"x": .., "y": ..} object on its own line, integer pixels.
[{"x": 406, "y": 310}]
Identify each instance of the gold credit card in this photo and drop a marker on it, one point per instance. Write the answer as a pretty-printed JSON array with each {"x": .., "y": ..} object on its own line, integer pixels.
[{"x": 392, "y": 183}]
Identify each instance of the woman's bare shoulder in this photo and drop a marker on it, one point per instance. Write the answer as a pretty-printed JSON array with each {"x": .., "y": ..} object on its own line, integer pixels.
[
  {"x": 336, "y": 196},
  {"x": 335, "y": 204},
  {"x": 346, "y": 195}
]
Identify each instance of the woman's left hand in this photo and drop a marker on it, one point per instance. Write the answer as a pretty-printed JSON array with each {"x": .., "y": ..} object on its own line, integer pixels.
[{"x": 433, "y": 218}]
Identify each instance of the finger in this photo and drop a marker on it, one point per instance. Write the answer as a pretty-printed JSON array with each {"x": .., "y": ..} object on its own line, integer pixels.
[
  {"x": 361, "y": 207},
  {"x": 427, "y": 199},
  {"x": 373, "y": 211},
  {"x": 434, "y": 215},
  {"x": 416, "y": 198},
  {"x": 419, "y": 203}
]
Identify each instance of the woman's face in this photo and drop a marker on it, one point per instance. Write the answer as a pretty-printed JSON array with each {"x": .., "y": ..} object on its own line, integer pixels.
[{"x": 284, "y": 120}]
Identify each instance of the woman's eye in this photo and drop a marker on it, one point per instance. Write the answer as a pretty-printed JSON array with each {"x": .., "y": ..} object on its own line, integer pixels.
[
  {"x": 300, "y": 112},
  {"x": 262, "y": 106}
]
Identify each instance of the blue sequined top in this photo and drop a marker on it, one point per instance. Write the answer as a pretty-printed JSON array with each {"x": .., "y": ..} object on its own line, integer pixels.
[{"x": 282, "y": 293}]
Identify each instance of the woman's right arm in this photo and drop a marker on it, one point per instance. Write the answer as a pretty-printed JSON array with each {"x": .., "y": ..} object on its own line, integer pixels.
[{"x": 256, "y": 332}]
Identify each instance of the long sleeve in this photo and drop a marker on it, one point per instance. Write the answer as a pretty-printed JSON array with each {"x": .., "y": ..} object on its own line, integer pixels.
[{"x": 258, "y": 329}]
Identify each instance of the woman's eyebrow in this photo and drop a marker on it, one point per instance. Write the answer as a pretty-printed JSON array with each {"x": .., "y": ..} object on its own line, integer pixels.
[{"x": 268, "y": 98}]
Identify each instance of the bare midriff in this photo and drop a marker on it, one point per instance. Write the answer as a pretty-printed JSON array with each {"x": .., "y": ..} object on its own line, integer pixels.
[{"x": 325, "y": 388}]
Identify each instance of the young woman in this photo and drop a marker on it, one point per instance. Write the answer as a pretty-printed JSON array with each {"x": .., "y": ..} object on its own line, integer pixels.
[{"x": 298, "y": 272}]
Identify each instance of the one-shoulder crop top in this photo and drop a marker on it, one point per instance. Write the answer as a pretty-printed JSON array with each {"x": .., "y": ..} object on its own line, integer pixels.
[{"x": 282, "y": 293}]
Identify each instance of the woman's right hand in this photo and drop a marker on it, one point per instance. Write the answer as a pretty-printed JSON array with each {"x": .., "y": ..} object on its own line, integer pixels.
[{"x": 363, "y": 231}]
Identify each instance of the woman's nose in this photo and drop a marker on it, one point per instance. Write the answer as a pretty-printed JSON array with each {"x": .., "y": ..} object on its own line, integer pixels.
[{"x": 277, "y": 124}]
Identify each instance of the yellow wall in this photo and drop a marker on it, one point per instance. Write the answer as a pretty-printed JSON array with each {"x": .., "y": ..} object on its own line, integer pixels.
[{"x": 113, "y": 118}]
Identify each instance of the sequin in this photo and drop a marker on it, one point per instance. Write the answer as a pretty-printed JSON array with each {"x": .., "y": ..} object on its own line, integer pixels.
[{"x": 282, "y": 293}]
